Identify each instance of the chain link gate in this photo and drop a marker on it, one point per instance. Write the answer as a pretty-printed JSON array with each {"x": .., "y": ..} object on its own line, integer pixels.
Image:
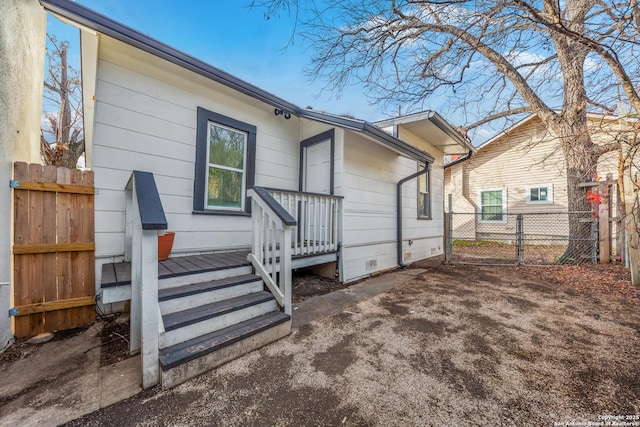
[{"x": 525, "y": 238}]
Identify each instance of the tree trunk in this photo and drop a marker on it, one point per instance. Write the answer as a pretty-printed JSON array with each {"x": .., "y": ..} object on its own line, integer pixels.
[
  {"x": 580, "y": 153},
  {"x": 581, "y": 161}
]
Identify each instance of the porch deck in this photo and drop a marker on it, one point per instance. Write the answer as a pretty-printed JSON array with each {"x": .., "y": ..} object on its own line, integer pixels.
[{"x": 119, "y": 274}]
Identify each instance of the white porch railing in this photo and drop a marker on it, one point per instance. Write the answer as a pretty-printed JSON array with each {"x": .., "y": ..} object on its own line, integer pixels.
[
  {"x": 144, "y": 217},
  {"x": 318, "y": 217},
  {"x": 271, "y": 245}
]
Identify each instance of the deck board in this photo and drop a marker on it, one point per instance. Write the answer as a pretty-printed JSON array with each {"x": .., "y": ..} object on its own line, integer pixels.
[
  {"x": 200, "y": 262},
  {"x": 213, "y": 261},
  {"x": 174, "y": 267},
  {"x": 185, "y": 263},
  {"x": 163, "y": 271},
  {"x": 108, "y": 275},
  {"x": 123, "y": 273},
  {"x": 119, "y": 273}
]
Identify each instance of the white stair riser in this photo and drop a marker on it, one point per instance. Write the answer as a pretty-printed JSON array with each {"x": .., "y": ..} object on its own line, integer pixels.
[
  {"x": 212, "y": 360},
  {"x": 203, "y": 298},
  {"x": 176, "y": 336},
  {"x": 116, "y": 294},
  {"x": 173, "y": 282}
]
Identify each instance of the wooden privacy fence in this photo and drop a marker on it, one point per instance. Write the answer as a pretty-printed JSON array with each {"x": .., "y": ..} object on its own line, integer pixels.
[{"x": 53, "y": 250}]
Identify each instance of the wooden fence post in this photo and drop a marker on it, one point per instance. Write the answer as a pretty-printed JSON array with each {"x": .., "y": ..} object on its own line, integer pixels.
[
  {"x": 630, "y": 203},
  {"x": 448, "y": 230}
]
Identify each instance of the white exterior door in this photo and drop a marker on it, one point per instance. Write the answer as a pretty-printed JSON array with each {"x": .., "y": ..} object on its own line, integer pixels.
[
  {"x": 316, "y": 179},
  {"x": 317, "y": 165}
]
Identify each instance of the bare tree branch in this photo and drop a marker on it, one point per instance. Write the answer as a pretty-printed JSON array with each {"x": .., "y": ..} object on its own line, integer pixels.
[
  {"x": 559, "y": 60},
  {"x": 498, "y": 115},
  {"x": 62, "y": 135}
]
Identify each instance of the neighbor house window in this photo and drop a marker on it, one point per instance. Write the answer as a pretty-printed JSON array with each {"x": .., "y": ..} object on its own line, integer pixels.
[
  {"x": 424, "y": 195},
  {"x": 493, "y": 205},
  {"x": 540, "y": 194},
  {"x": 225, "y": 159}
]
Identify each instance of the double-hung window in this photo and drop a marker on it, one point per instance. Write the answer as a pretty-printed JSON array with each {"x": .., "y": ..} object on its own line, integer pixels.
[
  {"x": 227, "y": 150},
  {"x": 493, "y": 205},
  {"x": 424, "y": 194},
  {"x": 225, "y": 159}
]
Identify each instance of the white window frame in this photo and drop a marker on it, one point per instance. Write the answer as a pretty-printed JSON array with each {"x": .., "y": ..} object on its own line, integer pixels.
[
  {"x": 243, "y": 190},
  {"x": 549, "y": 200},
  {"x": 504, "y": 206}
]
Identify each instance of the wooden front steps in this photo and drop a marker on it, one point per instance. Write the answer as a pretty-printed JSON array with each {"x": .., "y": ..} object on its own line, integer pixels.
[
  {"x": 196, "y": 356},
  {"x": 210, "y": 323},
  {"x": 213, "y": 310},
  {"x": 202, "y": 319}
]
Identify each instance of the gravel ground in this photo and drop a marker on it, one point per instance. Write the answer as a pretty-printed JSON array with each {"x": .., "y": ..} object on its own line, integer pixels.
[{"x": 459, "y": 345}]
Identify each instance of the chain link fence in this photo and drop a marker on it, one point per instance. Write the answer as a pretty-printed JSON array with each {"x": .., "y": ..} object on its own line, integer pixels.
[{"x": 526, "y": 238}]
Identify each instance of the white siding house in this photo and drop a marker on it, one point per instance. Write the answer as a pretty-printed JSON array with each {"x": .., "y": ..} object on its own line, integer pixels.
[
  {"x": 143, "y": 115},
  {"x": 146, "y": 113},
  {"x": 253, "y": 187}
]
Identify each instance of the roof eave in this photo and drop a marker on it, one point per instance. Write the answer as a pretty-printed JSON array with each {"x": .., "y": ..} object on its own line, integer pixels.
[
  {"x": 90, "y": 19},
  {"x": 95, "y": 21},
  {"x": 397, "y": 144},
  {"x": 450, "y": 131},
  {"x": 371, "y": 131},
  {"x": 437, "y": 121},
  {"x": 460, "y": 160}
]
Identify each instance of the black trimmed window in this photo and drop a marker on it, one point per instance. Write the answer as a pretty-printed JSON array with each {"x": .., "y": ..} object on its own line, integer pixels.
[
  {"x": 225, "y": 164},
  {"x": 424, "y": 193}
]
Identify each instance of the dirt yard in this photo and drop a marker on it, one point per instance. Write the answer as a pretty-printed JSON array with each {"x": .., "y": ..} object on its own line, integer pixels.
[{"x": 459, "y": 345}]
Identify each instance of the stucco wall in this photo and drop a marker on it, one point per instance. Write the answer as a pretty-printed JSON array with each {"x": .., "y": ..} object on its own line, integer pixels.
[{"x": 22, "y": 40}]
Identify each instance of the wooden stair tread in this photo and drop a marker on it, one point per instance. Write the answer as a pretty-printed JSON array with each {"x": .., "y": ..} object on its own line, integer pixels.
[
  {"x": 196, "y": 288},
  {"x": 190, "y": 316},
  {"x": 178, "y": 354},
  {"x": 119, "y": 273},
  {"x": 116, "y": 274},
  {"x": 175, "y": 267}
]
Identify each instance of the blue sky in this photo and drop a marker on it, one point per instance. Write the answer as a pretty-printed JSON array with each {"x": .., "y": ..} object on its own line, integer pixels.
[{"x": 236, "y": 39}]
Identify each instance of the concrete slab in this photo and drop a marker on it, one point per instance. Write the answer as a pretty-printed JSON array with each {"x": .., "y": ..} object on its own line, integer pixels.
[
  {"x": 60, "y": 381},
  {"x": 49, "y": 361},
  {"x": 120, "y": 381}
]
